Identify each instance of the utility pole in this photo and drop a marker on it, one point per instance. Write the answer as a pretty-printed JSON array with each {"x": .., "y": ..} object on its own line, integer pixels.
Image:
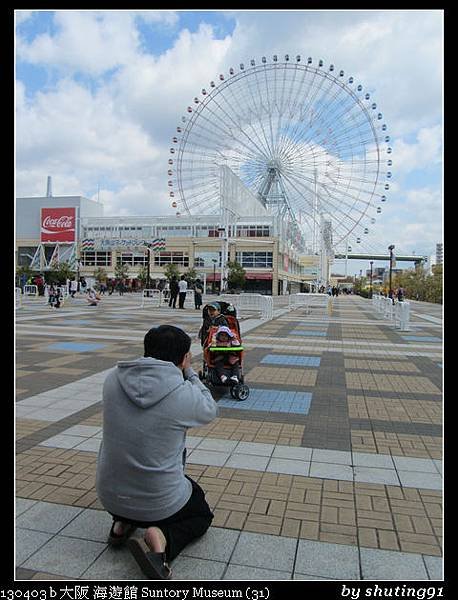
[
  {"x": 371, "y": 263},
  {"x": 390, "y": 292}
]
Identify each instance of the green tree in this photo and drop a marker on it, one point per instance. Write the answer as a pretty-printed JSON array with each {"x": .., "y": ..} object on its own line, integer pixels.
[
  {"x": 63, "y": 272},
  {"x": 191, "y": 275},
  {"x": 420, "y": 286},
  {"x": 236, "y": 275},
  {"x": 170, "y": 271},
  {"x": 121, "y": 271},
  {"x": 143, "y": 275},
  {"x": 100, "y": 275}
]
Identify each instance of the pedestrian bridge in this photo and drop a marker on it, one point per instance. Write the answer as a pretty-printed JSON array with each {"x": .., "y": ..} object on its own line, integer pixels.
[{"x": 399, "y": 258}]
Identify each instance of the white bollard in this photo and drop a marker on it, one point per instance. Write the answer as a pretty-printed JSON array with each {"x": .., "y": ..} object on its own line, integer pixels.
[
  {"x": 402, "y": 315},
  {"x": 18, "y": 297}
]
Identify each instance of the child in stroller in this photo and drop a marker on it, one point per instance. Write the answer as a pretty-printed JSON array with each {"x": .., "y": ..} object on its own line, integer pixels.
[
  {"x": 223, "y": 352},
  {"x": 226, "y": 363}
]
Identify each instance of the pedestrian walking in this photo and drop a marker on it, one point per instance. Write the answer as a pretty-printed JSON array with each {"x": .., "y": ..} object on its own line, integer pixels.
[
  {"x": 121, "y": 287},
  {"x": 73, "y": 287},
  {"x": 140, "y": 481},
  {"x": 174, "y": 289},
  {"x": 182, "y": 287}
]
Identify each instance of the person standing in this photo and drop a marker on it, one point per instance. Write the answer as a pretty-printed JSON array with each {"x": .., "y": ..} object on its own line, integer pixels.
[
  {"x": 198, "y": 291},
  {"x": 73, "y": 287},
  {"x": 182, "y": 287},
  {"x": 148, "y": 406},
  {"x": 174, "y": 289}
]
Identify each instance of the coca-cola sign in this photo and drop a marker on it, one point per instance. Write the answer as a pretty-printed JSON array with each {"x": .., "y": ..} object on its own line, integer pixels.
[{"x": 58, "y": 224}]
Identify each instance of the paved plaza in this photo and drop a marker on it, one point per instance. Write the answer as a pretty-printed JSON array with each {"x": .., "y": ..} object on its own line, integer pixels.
[{"x": 331, "y": 469}]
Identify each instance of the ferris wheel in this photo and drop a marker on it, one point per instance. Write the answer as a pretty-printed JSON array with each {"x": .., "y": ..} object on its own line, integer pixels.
[{"x": 305, "y": 140}]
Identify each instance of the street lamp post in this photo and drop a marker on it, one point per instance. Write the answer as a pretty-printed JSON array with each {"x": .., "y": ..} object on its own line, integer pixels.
[
  {"x": 148, "y": 266},
  {"x": 390, "y": 292},
  {"x": 214, "y": 275},
  {"x": 371, "y": 263}
]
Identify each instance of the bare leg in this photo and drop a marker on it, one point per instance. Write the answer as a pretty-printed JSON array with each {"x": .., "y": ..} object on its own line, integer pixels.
[{"x": 155, "y": 539}]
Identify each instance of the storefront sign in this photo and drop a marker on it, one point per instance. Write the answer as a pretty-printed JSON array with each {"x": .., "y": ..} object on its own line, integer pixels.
[
  {"x": 114, "y": 244},
  {"x": 58, "y": 224}
]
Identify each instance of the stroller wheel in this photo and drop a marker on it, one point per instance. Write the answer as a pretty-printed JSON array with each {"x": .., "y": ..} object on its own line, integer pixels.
[
  {"x": 233, "y": 393},
  {"x": 201, "y": 375},
  {"x": 241, "y": 391}
]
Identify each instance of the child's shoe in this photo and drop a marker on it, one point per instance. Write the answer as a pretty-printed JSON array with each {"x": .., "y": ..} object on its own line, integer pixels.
[
  {"x": 223, "y": 378},
  {"x": 234, "y": 378}
]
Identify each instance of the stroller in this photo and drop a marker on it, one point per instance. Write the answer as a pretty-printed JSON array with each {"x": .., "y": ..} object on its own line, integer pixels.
[{"x": 239, "y": 391}]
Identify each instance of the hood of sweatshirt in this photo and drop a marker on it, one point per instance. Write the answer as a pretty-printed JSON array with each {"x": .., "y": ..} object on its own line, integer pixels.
[{"x": 146, "y": 381}]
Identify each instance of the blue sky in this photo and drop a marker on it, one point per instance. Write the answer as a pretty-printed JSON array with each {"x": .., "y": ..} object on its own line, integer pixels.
[{"x": 99, "y": 95}]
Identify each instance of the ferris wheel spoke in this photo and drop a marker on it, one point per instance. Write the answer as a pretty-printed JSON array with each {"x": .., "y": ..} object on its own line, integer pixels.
[
  {"x": 336, "y": 204},
  {"x": 244, "y": 139},
  {"x": 295, "y": 131},
  {"x": 233, "y": 100}
]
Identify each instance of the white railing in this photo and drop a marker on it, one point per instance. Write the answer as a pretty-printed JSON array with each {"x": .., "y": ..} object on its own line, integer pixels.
[
  {"x": 30, "y": 290},
  {"x": 153, "y": 297},
  {"x": 18, "y": 297},
  {"x": 258, "y": 302},
  {"x": 402, "y": 315},
  {"x": 309, "y": 301},
  {"x": 399, "y": 312}
]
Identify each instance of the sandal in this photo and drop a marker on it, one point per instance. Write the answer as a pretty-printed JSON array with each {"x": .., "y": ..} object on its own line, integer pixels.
[
  {"x": 118, "y": 539},
  {"x": 153, "y": 564}
]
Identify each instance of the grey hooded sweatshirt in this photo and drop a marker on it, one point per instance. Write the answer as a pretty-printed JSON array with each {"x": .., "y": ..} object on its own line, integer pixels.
[{"x": 147, "y": 408}]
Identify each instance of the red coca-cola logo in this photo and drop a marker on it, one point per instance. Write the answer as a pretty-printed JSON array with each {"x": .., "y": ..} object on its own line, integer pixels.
[
  {"x": 58, "y": 224},
  {"x": 64, "y": 222}
]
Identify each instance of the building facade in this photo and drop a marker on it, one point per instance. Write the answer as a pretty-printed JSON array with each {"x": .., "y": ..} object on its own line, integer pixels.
[{"x": 268, "y": 248}]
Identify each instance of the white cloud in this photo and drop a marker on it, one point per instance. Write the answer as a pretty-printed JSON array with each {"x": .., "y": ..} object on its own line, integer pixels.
[
  {"x": 425, "y": 152},
  {"x": 119, "y": 131},
  {"x": 92, "y": 42}
]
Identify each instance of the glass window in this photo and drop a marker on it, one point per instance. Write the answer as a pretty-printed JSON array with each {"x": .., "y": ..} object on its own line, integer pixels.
[
  {"x": 255, "y": 260},
  {"x": 96, "y": 259},
  {"x": 132, "y": 258},
  {"x": 205, "y": 259},
  {"x": 166, "y": 258},
  {"x": 25, "y": 255}
]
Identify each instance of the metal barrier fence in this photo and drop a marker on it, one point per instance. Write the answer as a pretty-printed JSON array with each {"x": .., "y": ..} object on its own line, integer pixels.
[
  {"x": 399, "y": 312},
  {"x": 154, "y": 295},
  {"x": 309, "y": 301},
  {"x": 258, "y": 302},
  {"x": 30, "y": 290}
]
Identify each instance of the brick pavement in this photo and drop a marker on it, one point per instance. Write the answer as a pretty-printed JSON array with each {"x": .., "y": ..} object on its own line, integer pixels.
[{"x": 359, "y": 467}]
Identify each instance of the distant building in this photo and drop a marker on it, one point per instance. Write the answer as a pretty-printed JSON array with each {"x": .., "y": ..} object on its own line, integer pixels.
[
  {"x": 54, "y": 229},
  {"x": 439, "y": 254}
]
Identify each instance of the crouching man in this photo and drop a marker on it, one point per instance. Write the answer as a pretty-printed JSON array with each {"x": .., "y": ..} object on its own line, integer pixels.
[{"x": 148, "y": 405}]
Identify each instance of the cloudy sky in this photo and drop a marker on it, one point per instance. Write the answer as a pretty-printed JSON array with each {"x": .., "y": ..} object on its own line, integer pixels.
[{"x": 99, "y": 95}]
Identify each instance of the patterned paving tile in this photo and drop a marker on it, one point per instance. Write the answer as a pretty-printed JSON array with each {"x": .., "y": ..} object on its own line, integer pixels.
[
  {"x": 75, "y": 346},
  {"x": 308, "y": 333},
  {"x": 417, "y": 338},
  {"x": 272, "y": 401},
  {"x": 292, "y": 360}
]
